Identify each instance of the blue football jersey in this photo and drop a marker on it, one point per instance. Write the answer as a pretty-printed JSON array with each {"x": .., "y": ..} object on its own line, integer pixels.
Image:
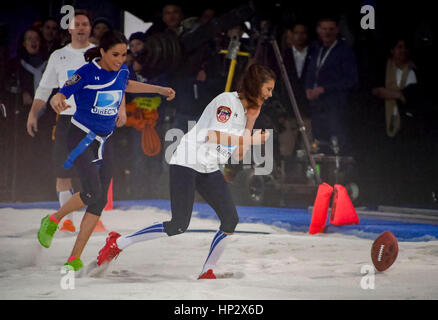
[{"x": 98, "y": 94}]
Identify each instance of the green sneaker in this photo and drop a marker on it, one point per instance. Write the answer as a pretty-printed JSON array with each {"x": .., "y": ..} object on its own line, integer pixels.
[
  {"x": 76, "y": 264},
  {"x": 46, "y": 231}
]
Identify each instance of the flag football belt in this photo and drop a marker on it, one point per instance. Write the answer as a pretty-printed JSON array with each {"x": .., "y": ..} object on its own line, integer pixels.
[{"x": 84, "y": 143}]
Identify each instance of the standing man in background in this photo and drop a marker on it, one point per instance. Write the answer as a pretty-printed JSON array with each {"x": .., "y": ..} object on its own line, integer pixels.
[
  {"x": 296, "y": 57},
  {"x": 331, "y": 74}
]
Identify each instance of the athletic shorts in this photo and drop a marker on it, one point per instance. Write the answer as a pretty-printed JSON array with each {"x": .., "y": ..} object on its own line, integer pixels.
[{"x": 95, "y": 175}]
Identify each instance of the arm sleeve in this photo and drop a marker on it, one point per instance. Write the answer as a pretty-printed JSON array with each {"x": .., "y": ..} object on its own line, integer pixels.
[
  {"x": 50, "y": 77},
  {"x": 43, "y": 93},
  {"x": 76, "y": 82},
  {"x": 348, "y": 70},
  {"x": 222, "y": 118},
  {"x": 309, "y": 73}
]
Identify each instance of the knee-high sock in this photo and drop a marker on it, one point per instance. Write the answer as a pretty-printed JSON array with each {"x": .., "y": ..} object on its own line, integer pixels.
[
  {"x": 63, "y": 197},
  {"x": 152, "y": 232},
  {"x": 216, "y": 249}
]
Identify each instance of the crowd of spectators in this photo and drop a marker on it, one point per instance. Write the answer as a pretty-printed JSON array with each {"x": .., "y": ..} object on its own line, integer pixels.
[{"x": 325, "y": 71}]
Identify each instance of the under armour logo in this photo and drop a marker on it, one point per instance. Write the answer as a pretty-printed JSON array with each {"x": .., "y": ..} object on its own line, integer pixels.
[{"x": 96, "y": 78}]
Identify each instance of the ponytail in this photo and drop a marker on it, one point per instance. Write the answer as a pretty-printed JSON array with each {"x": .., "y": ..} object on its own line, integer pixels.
[{"x": 91, "y": 54}]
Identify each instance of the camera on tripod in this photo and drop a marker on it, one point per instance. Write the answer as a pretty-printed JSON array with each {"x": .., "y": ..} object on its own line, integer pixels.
[{"x": 165, "y": 51}]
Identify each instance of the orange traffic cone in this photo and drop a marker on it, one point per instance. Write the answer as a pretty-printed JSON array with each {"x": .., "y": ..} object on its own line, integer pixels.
[
  {"x": 320, "y": 208},
  {"x": 109, "y": 204},
  {"x": 343, "y": 211}
]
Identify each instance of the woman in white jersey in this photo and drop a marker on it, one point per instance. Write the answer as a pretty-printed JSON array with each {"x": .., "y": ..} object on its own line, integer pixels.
[{"x": 223, "y": 130}]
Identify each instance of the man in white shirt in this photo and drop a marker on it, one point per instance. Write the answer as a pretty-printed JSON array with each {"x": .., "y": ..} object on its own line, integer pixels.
[
  {"x": 299, "y": 47},
  {"x": 61, "y": 66},
  {"x": 296, "y": 51}
]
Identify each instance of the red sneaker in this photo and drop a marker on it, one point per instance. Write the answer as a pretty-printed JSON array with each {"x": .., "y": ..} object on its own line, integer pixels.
[
  {"x": 110, "y": 251},
  {"x": 207, "y": 275}
]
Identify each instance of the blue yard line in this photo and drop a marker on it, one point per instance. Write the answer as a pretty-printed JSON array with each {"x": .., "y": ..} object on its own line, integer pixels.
[{"x": 290, "y": 219}]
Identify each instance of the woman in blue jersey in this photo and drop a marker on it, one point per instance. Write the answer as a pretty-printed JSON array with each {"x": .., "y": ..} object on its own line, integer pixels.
[
  {"x": 223, "y": 130},
  {"x": 98, "y": 89}
]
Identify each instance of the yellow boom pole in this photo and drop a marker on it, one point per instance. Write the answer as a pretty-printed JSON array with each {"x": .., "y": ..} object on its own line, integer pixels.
[{"x": 232, "y": 67}]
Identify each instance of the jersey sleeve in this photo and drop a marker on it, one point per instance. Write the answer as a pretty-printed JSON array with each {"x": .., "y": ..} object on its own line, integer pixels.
[
  {"x": 76, "y": 82},
  {"x": 50, "y": 77},
  {"x": 222, "y": 118}
]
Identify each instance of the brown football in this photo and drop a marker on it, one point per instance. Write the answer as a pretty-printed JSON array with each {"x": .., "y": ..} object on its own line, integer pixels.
[{"x": 384, "y": 251}]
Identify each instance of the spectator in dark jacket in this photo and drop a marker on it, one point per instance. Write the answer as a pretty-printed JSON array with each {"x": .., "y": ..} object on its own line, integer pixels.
[
  {"x": 24, "y": 73},
  {"x": 331, "y": 74},
  {"x": 296, "y": 57},
  {"x": 50, "y": 36},
  {"x": 26, "y": 69}
]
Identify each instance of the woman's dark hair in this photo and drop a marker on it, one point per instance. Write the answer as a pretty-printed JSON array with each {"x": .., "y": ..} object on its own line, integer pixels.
[
  {"x": 21, "y": 50},
  {"x": 101, "y": 20},
  {"x": 49, "y": 18},
  {"x": 137, "y": 36},
  {"x": 251, "y": 83},
  {"x": 109, "y": 39},
  {"x": 394, "y": 40}
]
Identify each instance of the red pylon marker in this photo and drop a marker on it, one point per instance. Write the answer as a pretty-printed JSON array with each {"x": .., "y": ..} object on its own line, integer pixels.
[
  {"x": 320, "y": 208},
  {"x": 343, "y": 211}
]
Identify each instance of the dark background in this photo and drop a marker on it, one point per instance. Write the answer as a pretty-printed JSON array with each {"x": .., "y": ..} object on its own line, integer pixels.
[{"x": 25, "y": 175}]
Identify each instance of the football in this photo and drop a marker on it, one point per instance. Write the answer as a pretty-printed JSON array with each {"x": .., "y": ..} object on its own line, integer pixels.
[{"x": 384, "y": 251}]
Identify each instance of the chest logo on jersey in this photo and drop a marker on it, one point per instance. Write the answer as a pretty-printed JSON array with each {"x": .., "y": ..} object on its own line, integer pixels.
[
  {"x": 107, "y": 102},
  {"x": 223, "y": 114}
]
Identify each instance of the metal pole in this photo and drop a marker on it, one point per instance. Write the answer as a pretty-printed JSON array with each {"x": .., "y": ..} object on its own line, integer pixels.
[
  {"x": 230, "y": 75},
  {"x": 293, "y": 101},
  {"x": 233, "y": 48}
]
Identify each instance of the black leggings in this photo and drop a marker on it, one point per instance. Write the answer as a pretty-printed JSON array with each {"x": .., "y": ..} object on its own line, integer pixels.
[
  {"x": 211, "y": 186},
  {"x": 96, "y": 176}
]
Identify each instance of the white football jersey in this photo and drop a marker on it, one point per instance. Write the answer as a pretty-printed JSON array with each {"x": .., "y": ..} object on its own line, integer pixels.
[
  {"x": 61, "y": 66},
  {"x": 225, "y": 113}
]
